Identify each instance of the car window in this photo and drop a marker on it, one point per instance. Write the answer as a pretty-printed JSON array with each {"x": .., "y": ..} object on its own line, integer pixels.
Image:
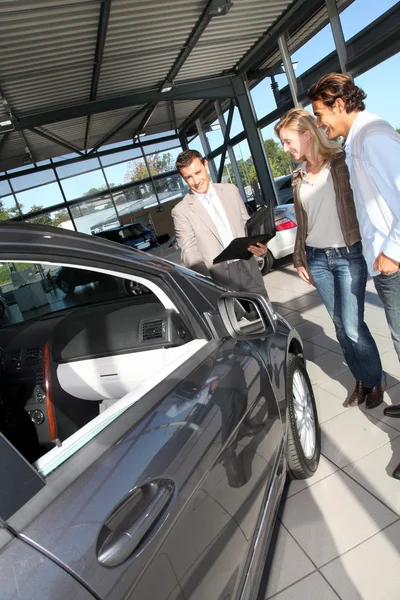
[{"x": 70, "y": 337}]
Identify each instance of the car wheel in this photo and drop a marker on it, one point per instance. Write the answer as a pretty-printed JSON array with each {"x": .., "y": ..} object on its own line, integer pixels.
[
  {"x": 265, "y": 263},
  {"x": 303, "y": 433},
  {"x": 134, "y": 288},
  {"x": 66, "y": 286}
]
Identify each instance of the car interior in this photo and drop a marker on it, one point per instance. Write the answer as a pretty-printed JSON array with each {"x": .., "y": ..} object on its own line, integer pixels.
[{"x": 73, "y": 365}]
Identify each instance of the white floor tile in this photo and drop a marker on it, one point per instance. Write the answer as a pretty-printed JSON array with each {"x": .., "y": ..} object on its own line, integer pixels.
[
  {"x": 289, "y": 564},
  {"x": 391, "y": 364},
  {"x": 313, "y": 587},
  {"x": 328, "y": 405},
  {"x": 325, "y": 469},
  {"x": 327, "y": 339},
  {"x": 369, "y": 572},
  {"x": 392, "y": 396},
  {"x": 344, "y": 384},
  {"x": 333, "y": 516},
  {"x": 326, "y": 367},
  {"x": 294, "y": 318},
  {"x": 374, "y": 471},
  {"x": 353, "y": 434},
  {"x": 302, "y": 302}
]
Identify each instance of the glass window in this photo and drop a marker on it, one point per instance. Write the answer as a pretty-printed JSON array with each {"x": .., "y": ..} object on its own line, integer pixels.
[
  {"x": 55, "y": 218},
  {"x": 387, "y": 105},
  {"x": 135, "y": 198},
  {"x": 195, "y": 144},
  {"x": 65, "y": 157},
  {"x": 40, "y": 197},
  {"x": 361, "y": 13},
  {"x": 82, "y": 185},
  {"x": 125, "y": 172},
  {"x": 114, "y": 145},
  {"x": 170, "y": 188},
  {"x": 263, "y": 96},
  {"x": 4, "y": 188},
  {"x": 33, "y": 180},
  {"x": 162, "y": 146},
  {"x": 279, "y": 160},
  {"x": 161, "y": 162},
  {"x": 8, "y": 208},
  {"x": 237, "y": 125},
  {"x": 119, "y": 157},
  {"x": 78, "y": 167},
  {"x": 245, "y": 165},
  {"x": 214, "y": 135},
  {"x": 95, "y": 215},
  {"x": 319, "y": 46}
]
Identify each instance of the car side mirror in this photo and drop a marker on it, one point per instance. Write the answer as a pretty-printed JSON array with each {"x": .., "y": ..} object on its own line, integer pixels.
[{"x": 247, "y": 316}]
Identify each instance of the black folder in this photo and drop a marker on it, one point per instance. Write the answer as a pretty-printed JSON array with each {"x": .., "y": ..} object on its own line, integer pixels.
[{"x": 238, "y": 248}]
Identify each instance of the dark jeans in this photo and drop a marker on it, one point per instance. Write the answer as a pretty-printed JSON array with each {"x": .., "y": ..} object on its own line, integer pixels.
[
  {"x": 340, "y": 276},
  {"x": 388, "y": 288}
]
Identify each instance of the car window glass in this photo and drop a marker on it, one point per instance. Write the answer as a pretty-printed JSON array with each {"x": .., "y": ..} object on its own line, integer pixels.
[{"x": 70, "y": 337}]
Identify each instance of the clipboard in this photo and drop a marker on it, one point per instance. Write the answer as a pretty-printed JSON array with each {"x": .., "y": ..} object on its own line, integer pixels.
[{"x": 238, "y": 248}]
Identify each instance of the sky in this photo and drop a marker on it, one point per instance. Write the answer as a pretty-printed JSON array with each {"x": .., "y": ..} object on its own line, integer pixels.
[{"x": 382, "y": 85}]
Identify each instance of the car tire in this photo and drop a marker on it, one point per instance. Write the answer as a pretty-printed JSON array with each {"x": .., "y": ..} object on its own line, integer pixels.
[
  {"x": 303, "y": 431},
  {"x": 265, "y": 263},
  {"x": 66, "y": 286}
]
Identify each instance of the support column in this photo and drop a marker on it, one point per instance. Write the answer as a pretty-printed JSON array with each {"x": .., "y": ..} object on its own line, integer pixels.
[
  {"x": 183, "y": 140},
  {"x": 231, "y": 154},
  {"x": 206, "y": 150},
  {"x": 256, "y": 145},
  {"x": 338, "y": 36},
  {"x": 287, "y": 63}
]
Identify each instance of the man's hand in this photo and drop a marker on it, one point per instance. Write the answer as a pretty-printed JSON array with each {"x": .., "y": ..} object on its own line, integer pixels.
[
  {"x": 385, "y": 265},
  {"x": 305, "y": 275},
  {"x": 258, "y": 250}
]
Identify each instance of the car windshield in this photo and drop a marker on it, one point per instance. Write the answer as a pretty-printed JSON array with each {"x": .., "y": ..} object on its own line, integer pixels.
[{"x": 133, "y": 231}]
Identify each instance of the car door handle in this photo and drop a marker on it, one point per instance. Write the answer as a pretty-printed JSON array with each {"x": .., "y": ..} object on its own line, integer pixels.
[{"x": 133, "y": 521}]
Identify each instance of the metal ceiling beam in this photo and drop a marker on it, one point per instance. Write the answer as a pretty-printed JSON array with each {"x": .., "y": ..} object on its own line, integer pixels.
[
  {"x": 118, "y": 127},
  {"x": 57, "y": 140},
  {"x": 3, "y": 140},
  {"x": 298, "y": 13},
  {"x": 173, "y": 115},
  {"x": 212, "y": 89},
  {"x": 227, "y": 134},
  {"x": 147, "y": 116},
  {"x": 98, "y": 57},
  {"x": 8, "y": 110}
]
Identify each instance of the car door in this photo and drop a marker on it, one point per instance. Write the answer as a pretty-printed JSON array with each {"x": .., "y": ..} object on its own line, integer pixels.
[
  {"x": 26, "y": 573},
  {"x": 164, "y": 503}
]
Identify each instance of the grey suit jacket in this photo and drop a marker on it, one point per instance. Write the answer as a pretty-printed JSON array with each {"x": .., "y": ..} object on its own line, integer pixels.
[{"x": 198, "y": 237}]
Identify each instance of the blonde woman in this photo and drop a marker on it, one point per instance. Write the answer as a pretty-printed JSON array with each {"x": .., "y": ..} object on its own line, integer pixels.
[{"x": 328, "y": 250}]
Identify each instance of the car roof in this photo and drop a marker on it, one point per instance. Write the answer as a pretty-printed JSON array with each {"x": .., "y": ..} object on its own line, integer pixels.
[{"x": 38, "y": 241}]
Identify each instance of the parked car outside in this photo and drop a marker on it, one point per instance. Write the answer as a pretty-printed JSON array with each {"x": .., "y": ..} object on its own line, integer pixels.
[
  {"x": 135, "y": 235},
  {"x": 145, "y": 441},
  {"x": 69, "y": 278}
]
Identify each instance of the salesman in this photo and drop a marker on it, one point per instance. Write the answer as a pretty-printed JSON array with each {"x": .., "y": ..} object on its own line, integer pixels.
[{"x": 208, "y": 218}]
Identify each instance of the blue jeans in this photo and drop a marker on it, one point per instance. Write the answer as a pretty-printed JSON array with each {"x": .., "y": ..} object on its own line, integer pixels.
[
  {"x": 388, "y": 288},
  {"x": 340, "y": 276}
]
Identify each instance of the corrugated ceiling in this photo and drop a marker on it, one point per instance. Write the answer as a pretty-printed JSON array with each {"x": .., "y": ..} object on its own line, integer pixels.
[{"x": 48, "y": 52}]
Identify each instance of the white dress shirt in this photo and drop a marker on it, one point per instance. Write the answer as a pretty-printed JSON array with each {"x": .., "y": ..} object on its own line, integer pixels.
[
  {"x": 214, "y": 207},
  {"x": 375, "y": 179}
]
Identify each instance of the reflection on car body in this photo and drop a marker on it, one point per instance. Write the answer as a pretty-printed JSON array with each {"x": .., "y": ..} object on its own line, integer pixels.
[{"x": 147, "y": 438}]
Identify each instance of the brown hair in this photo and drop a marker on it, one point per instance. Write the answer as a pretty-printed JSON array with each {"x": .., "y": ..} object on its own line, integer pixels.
[
  {"x": 298, "y": 119},
  {"x": 335, "y": 85},
  {"x": 186, "y": 158}
]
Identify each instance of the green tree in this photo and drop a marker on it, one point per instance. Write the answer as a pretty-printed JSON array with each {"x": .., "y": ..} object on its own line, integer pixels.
[
  {"x": 157, "y": 163},
  {"x": 60, "y": 217},
  {"x": 41, "y": 219},
  {"x": 4, "y": 212},
  {"x": 280, "y": 161}
]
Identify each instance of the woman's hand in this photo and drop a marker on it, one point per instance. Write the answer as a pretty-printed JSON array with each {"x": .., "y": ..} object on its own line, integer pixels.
[
  {"x": 258, "y": 250},
  {"x": 305, "y": 275}
]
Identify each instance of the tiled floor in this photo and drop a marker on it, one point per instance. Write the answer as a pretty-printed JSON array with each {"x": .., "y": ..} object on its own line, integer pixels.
[{"x": 338, "y": 534}]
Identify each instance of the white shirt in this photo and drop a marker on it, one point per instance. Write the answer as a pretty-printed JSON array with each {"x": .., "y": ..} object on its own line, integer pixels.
[
  {"x": 214, "y": 207},
  {"x": 318, "y": 199},
  {"x": 375, "y": 179}
]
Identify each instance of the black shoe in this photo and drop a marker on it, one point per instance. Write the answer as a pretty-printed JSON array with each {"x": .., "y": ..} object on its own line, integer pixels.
[
  {"x": 248, "y": 428},
  {"x": 396, "y": 472},
  {"x": 235, "y": 472},
  {"x": 392, "y": 411}
]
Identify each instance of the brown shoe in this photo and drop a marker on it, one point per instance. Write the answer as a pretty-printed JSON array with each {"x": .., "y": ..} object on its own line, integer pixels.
[
  {"x": 358, "y": 396},
  {"x": 374, "y": 396},
  {"x": 396, "y": 472}
]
